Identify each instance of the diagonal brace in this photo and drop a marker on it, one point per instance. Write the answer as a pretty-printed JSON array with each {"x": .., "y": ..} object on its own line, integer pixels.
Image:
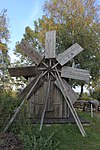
[{"x": 45, "y": 102}]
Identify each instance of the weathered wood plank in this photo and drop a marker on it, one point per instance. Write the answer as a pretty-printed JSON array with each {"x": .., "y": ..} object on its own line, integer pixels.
[
  {"x": 29, "y": 71},
  {"x": 61, "y": 121},
  {"x": 27, "y": 89},
  {"x": 50, "y": 44},
  {"x": 68, "y": 90},
  {"x": 30, "y": 107},
  {"x": 34, "y": 85},
  {"x": 50, "y": 98},
  {"x": 45, "y": 101},
  {"x": 38, "y": 102},
  {"x": 74, "y": 73},
  {"x": 38, "y": 85},
  {"x": 30, "y": 52},
  {"x": 68, "y": 54},
  {"x": 71, "y": 93}
]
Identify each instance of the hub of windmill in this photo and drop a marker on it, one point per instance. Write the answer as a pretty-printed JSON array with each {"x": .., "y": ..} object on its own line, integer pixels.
[{"x": 49, "y": 69}]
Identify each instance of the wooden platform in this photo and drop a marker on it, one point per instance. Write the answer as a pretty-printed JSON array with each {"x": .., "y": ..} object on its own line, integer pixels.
[{"x": 61, "y": 121}]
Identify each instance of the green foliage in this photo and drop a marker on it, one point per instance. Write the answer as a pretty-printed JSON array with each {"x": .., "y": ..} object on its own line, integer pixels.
[
  {"x": 8, "y": 104},
  {"x": 94, "y": 89},
  {"x": 96, "y": 94},
  {"x": 4, "y": 30},
  {"x": 36, "y": 140},
  {"x": 30, "y": 134},
  {"x": 78, "y": 22},
  {"x": 85, "y": 96},
  {"x": 4, "y": 57}
]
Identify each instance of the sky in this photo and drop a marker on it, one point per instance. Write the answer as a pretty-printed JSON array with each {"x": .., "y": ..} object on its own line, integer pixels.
[{"x": 21, "y": 13}]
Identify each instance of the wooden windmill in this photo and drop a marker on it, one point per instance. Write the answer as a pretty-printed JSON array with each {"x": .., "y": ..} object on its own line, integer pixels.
[{"x": 48, "y": 93}]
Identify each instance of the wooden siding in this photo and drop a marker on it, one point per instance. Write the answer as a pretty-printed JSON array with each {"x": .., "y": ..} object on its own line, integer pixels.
[
  {"x": 68, "y": 90},
  {"x": 56, "y": 106}
]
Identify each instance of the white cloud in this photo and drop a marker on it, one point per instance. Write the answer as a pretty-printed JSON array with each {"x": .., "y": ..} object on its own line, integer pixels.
[
  {"x": 34, "y": 14},
  {"x": 36, "y": 11}
]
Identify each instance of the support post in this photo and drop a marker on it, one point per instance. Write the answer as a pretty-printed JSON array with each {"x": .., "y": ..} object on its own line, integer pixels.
[
  {"x": 45, "y": 102},
  {"x": 91, "y": 110}
]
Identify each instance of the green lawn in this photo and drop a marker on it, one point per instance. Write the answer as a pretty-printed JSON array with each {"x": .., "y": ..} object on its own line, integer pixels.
[{"x": 63, "y": 137}]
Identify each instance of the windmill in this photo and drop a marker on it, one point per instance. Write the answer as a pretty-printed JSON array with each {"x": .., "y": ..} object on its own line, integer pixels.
[{"x": 49, "y": 74}]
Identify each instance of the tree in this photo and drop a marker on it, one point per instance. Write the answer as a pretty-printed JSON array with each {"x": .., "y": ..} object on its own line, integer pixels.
[
  {"x": 74, "y": 21},
  {"x": 4, "y": 31},
  {"x": 95, "y": 89},
  {"x": 4, "y": 57}
]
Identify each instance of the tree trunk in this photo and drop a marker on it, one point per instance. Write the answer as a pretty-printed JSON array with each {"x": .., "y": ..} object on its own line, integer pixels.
[{"x": 81, "y": 92}]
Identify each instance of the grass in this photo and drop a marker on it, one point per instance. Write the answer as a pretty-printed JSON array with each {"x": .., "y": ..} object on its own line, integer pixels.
[{"x": 63, "y": 137}]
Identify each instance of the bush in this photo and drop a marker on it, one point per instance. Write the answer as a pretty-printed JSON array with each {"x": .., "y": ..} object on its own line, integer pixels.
[
  {"x": 30, "y": 135},
  {"x": 33, "y": 139},
  {"x": 8, "y": 104}
]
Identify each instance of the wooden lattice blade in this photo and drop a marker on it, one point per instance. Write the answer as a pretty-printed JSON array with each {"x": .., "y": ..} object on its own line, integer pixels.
[
  {"x": 68, "y": 54},
  {"x": 29, "y": 71},
  {"x": 74, "y": 73},
  {"x": 68, "y": 90},
  {"x": 31, "y": 52},
  {"x": 50, "y": 44}
]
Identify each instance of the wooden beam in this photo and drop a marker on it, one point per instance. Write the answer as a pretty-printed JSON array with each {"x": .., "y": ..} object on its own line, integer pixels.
[
  {"x": 68, "y": 54},
  {"x": 50, "y": 44},
  {"x": 74, "y": 73},
  {"x": 45, "y": 101},
  {"x": 31, "y": 52},
  {"x": 29, "y": 71},
  {"x": 70, "y": 105},
  {"x": 68, "y": 90}
]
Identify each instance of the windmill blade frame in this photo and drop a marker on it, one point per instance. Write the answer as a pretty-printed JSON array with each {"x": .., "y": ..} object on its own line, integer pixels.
[
  {"x": 75, "y": 73},
  {"x": 50, "y": 44},
  {"x": 68, "y": 54},
  {"x": 31, "y": 52},
  {"x": 28, "y": 71}
]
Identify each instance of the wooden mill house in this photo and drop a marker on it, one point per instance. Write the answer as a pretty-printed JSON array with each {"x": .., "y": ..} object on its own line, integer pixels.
[{"x": 50, "y": 97}]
